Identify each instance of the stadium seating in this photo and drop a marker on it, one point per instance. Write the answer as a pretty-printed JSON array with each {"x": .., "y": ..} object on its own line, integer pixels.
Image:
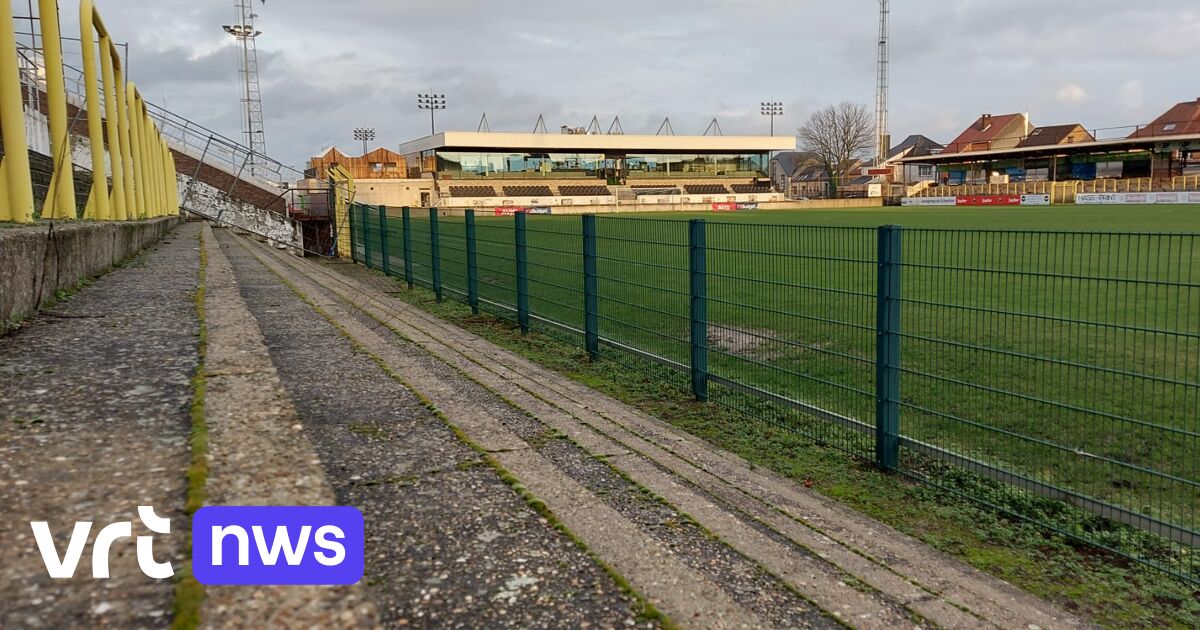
[
  {"x": 706, "y": 189},
  {"x": 527, "y": 191},
  {"x": 472, "y": 191},
  {"x": 750, "y": 189},
  {"x": 654, "y": 189},
  {"x": 583, "y": 191}
]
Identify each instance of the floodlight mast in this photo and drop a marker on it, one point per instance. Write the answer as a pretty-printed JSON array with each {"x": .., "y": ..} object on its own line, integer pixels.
[
  {"x": 252, "y": 126},
  {"x": 432, "y": 102},
  {"x": 772, "y": 109},
  {"x": 882, "y": 137},
  {"x": 365, "y": 135}
]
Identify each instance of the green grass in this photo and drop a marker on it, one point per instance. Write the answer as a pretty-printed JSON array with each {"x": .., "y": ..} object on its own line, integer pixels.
[
  {"x": 1106, "y": 588},
  {"x": 1066, "y": 358}
]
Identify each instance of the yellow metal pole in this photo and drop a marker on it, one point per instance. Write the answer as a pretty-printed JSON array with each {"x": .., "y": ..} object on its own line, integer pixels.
[
  {"x": 109, "y": 59},
  {"x": 151, "y": 167},
  {"x": 126, "y": 153},
  {"x": 155, "y": 164},
  {"x": 174, "y": 180},
  {"x": 139, "y": 166},
  {"x": 60, "y": 198},
  {"x": 14, "y": 167},
  {"x": 97, "y": 204}
]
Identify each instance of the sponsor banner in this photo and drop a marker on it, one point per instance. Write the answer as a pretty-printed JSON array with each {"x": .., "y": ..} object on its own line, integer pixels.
[
  {"x": 1035, "y": 200},
  {"x": 988, "y": 200},
  {"x": 1137, "y": 197},
  {"x": 1100, "y": 198},
  {"x": 508, "y": 211},
  {"x": 729, "y": 206},
  {"x": 929, "y": 201}
]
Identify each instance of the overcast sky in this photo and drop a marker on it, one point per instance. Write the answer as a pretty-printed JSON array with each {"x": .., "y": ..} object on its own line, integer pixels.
[{"x": 329, "y": 66}]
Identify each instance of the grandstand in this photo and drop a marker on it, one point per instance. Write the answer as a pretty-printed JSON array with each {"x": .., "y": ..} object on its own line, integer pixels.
[
  {"x": 1007, "y": 155},
  {"x": 581, "y": 172}
]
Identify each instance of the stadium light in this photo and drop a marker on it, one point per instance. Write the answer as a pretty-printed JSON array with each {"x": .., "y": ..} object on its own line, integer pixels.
[
  {"x": 772, "y": 109},
  {"x": 432, "y": 102},
  {"x": 365, "y": 134}
]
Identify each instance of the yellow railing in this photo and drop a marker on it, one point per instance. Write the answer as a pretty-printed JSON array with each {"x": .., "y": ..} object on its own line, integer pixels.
[
  {"x": 1060, "y": 192},
  {"x": 1185, "y": 182},
  {"x": 15, "y": 183},
  {"x": 141, "y": 164}
]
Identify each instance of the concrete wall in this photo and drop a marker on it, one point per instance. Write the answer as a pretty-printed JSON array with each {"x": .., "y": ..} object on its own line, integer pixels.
[
  {"x": 392, "y": 192},
  {"x": 206, "y": 201},
  {"x": 37, "y": 261}
]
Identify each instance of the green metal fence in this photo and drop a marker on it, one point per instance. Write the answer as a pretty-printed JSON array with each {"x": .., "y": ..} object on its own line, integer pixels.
[{"x": 1051, "y": 375}]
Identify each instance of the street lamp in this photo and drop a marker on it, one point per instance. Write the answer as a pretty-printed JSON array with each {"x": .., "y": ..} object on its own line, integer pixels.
[
  {"x": 432, "y": 102},
  {"x": 365, "y": 134},
  {"x": 772, "y": 110}
]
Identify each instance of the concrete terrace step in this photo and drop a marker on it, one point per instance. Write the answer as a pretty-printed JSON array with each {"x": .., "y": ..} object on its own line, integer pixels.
[{"x": 544, "y": 429}]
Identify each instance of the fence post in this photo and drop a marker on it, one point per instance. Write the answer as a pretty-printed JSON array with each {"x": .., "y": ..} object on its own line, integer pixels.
[
  {"x": 887, "y": 350},
  {"x": 353, "y": 238},
  {"x": 383, "y": 243},
  {"x": 366, "y": 233},
  {"x": 591, "y": 320},
  {"x": 407, "y": 226},
  {"x": 522, "y": 272},
  {"x": 697, "y": 270},
  {"x": 472, "y": 269},
  {"x": 435, "y": 254}
]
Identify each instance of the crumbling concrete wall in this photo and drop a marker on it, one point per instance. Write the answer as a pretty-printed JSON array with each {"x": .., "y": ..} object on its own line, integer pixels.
[
  {"x": 211, "y": 203},
  {"x": 38, "y": 261}
]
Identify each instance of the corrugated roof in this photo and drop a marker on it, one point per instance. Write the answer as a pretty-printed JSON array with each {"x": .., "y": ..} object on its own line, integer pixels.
[{"x": 1182, "y": 119}]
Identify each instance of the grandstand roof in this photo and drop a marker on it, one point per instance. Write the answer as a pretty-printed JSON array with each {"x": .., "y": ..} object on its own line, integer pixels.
[
  {"x": 1182, "y": 119},
  {"x": 564, "y": 142},
  {"x": 1189, "y": 142}
]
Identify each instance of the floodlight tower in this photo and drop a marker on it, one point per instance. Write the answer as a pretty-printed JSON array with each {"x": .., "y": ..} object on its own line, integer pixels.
[
  {"x": 364, "y": 134},
  {"x": 252, "y": 126},
  {"x": 432, "y": 102},
  {"x": 882, "y": 137},
  {"x": 772, "y": 109}
]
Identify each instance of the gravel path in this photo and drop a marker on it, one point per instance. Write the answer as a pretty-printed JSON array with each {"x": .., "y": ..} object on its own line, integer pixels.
[
  {"x": 449, "y": 544},
  {"x": 94, "y": 421}
]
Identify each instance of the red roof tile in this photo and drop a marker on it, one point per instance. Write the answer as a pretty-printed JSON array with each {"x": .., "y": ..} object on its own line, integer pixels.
[
  {"x": 980, "y": 134},
  {"x": 1183, "y": 118}
]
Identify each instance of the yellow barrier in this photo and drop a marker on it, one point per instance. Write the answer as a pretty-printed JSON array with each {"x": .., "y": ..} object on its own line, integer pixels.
[
  {"x": 138, "y": 157},
  {"x": 60, "y": 198},
  {"x": 343, "y": 195},
  {"x": 139, "y": 169},
  {"x": 16, "y": 204}
]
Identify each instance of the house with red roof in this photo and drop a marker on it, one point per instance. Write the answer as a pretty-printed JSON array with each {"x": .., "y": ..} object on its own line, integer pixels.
[{"x": 990, "y": 132}]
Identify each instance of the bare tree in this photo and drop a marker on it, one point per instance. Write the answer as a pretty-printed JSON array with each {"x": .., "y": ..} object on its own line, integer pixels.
[{"x": 839, "y": 135}]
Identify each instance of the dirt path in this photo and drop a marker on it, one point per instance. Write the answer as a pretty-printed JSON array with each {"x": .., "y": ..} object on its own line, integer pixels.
[{"x": 709, "y": 540}]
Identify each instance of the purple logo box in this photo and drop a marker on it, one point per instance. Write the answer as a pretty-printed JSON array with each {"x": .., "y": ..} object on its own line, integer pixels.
[{"x": 277, "y": 545}]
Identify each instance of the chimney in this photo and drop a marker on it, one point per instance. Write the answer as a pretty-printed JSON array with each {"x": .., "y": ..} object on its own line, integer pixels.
[{"x": 985, "y": 121}]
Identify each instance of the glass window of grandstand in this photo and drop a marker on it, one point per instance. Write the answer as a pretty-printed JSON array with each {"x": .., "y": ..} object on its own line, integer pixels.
[
  {"x": 464, "y": 165},
  {"x": 696, "y": 165}
]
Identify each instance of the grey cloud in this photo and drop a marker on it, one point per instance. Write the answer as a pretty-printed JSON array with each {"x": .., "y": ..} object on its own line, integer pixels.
[{"x": 329, "y": 67}]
